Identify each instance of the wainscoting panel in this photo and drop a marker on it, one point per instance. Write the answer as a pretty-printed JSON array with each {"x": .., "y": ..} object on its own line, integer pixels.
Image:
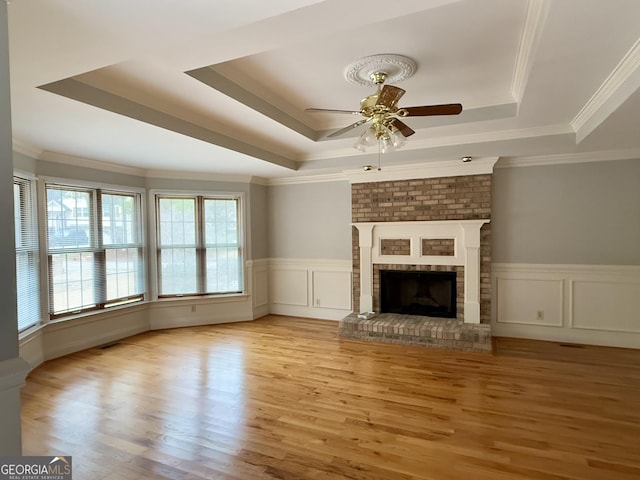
[
  {"x": 529, "y": 301},
  {"x": 289, "y": 286},
  {"x": 64, "y": 337},
  {"x": 589, "y": 304},
  {"x": 188, "y": 312},
  {"x": 618, "y": 302},
  {"x": 32, "y": 348},
  {"x": 332, "y": 290},
  {"x": 310, "y": 288},
  {"x": 258, "y": 273}
]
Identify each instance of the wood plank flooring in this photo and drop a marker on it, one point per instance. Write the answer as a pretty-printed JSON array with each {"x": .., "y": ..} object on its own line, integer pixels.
[{"x": 285, "y": 398}]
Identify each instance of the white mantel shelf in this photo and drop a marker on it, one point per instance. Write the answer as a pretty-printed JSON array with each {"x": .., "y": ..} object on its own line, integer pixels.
[{"x": 466, "y": 237}]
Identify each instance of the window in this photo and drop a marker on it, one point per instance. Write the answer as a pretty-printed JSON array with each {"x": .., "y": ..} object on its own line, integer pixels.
[
  {"x": 95, "y": 249},
  {"x": 27, "y": 273},
  {"x": 199, "y": 247}
]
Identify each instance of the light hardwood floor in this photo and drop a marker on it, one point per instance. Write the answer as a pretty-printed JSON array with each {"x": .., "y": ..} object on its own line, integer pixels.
[{"x": 285, "y": 398}]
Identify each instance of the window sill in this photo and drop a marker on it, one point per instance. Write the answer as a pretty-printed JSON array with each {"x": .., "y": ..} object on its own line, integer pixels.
[{"x": 93, "y": 315}]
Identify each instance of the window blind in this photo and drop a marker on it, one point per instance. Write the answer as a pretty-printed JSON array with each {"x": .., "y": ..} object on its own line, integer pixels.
[{"x": 27, "y": 256}]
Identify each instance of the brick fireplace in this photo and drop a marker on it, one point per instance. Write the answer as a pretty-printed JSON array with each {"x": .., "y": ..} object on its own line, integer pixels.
[{"x": 433, "y": 223}]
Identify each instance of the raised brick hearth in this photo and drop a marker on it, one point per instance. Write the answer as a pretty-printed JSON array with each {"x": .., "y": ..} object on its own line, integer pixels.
[{"x": 415, "y": 330}]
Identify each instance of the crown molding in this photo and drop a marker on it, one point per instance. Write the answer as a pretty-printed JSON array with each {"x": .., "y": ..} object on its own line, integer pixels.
[
  {"x": 536, "y": 16},
  {"x": 618, "y": 86},
  {"x": 25, "y": 149},
  {"x": 328, "y": 177},
  {"x": 210, "y": 177},
  {"x": 454, "y": 140},
  {"x": 447, "y": 168},
  {"x": 485, "y": 137},
  {"x": 54, "y": 157},
  {"x": 145, "y": 173},
  {"x": 259, "y": 181},
  {"x": 569, "y": 158}
]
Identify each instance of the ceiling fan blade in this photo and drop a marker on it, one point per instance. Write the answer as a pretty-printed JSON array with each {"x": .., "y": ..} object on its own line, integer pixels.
[
  {"x": 389, "y": 96},
  {"x": 425, "y": 111},
  {"x": 404, "y": 129},
  {"x": 347, "y": 128},
  {"x": 328, "y": 110}
]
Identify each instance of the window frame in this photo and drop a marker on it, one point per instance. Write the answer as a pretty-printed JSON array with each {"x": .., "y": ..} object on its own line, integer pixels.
[
  {"x": 154, "y": 244},
  {"x": 96, "y": 247}
]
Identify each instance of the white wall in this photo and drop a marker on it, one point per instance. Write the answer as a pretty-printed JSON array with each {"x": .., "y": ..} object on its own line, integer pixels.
[{"x": 84, "y": 331}]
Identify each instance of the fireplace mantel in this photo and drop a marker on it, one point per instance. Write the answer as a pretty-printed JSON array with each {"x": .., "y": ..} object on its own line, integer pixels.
[{"x": 464, "y": 233}]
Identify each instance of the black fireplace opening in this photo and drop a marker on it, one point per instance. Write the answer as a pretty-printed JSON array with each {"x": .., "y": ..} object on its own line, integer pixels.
[{"x": 431, "y": 294}]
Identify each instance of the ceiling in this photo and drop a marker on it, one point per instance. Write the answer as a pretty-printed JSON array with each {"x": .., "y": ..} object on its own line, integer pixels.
[{"x": 220, "y": 87}]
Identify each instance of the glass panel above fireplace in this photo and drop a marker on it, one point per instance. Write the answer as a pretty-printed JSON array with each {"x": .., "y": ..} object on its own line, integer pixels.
[{"x": 431, "y": 294}]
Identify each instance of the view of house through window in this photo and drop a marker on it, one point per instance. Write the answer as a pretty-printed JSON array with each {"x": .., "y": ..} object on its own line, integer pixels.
[
  {"x": 199, "y": 248},
  {"x": 95, "y": 248}
]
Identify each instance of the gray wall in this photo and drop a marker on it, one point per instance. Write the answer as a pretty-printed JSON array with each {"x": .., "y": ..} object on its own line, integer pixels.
[
  {"x": 310, "y": 220},
  {"x": 10, "y": 425},
  {"x": 8, "y": 315},
  {"x": 259, "y": 222},
  {"x": 586, "y": 213},
  {"x": 23, "y": 163}
]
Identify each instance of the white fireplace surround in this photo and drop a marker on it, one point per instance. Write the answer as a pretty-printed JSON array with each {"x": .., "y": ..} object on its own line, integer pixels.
[{"x": 466, "y": 237}]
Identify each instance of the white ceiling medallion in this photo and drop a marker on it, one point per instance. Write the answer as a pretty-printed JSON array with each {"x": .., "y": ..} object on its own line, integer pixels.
[{"x": 397, "y": 68}]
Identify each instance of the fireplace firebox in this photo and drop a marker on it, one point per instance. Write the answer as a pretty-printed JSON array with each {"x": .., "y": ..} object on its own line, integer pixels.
[{"x": 431, "y": 294}]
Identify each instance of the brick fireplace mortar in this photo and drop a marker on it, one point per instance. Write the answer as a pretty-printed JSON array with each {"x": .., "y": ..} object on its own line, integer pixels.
[{"x": 432, "y": 199}]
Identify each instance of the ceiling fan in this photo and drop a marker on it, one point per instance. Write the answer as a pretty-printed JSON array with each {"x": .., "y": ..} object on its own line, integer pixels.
[{"x": 382, "y": 111}]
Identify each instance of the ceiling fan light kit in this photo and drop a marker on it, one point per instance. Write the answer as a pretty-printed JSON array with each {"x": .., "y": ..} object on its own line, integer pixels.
[{"x": 380, "y": 109}]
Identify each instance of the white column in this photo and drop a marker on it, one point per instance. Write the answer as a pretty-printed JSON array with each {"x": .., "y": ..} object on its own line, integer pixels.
[
  {"x": 472, "y": 273},
  {"x": 12, "y": 374},
  {"x": 365, "y": 243},
  {"x": 12, "y": 368}
]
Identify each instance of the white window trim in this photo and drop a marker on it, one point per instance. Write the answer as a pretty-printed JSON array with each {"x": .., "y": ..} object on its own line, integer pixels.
[
  {"x": 153, "y": 244},
  {"x": 41, "y": 186}
]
